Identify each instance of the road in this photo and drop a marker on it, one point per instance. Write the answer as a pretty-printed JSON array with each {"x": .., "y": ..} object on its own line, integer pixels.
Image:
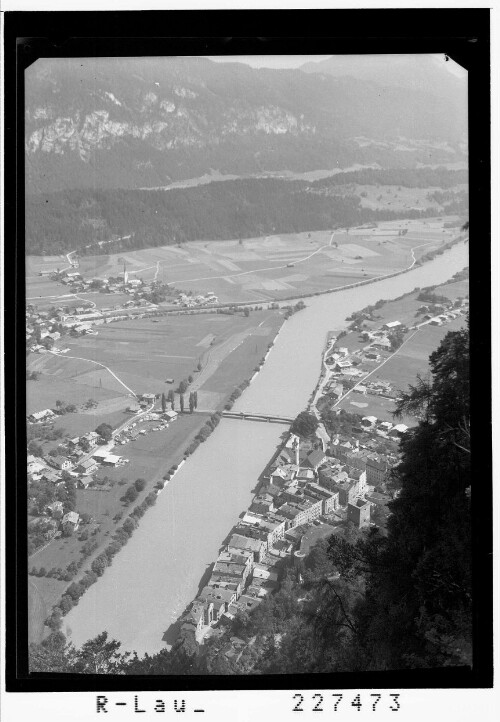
[
  {"x": 97, "y": 363},
  {"x": 254, "y": 270}
]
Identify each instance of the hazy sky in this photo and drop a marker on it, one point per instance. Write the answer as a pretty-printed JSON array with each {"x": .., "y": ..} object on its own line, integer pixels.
[
  {"x": 295, "y": 61},
  {"x": 268, "y": 61}
]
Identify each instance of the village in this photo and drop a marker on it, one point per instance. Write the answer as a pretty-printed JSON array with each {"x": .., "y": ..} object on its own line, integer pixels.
[{"x": 45, "y": 327}]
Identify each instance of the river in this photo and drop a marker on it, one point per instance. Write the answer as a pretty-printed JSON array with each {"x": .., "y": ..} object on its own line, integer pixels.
[{"x": 157, "y": 573}]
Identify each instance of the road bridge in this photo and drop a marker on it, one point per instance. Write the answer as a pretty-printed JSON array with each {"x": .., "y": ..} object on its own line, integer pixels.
[{"x": 244, "y": 416}]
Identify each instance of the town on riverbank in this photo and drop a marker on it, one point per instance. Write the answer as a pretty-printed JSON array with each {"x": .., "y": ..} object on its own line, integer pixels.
[
  {"x": 104, "y": 469},
  {"x": 331, "y": 474}
]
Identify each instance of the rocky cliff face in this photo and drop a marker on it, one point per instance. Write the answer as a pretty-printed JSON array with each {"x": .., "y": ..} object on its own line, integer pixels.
[{"x": 132, "y": 122}]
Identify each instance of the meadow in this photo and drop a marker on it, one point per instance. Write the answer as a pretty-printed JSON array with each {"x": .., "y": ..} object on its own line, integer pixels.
[
  {"x": 143, "y": 354},
  {"x": 401, "y": 371}
]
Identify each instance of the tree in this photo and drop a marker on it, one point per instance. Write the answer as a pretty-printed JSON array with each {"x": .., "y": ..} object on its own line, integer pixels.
[
  {"x": 131, "y": 494},
  {"x": 90, "y": 404},
  {"x": 246, "y": 311},
  {"x": 181, "y": 400},
  {"x": 190, "y": 378},
  {"x": 85, "y": 445},
  {"x": 98, "y": 656},
  {"x": 99, "y": 565},
  {"x": 140, "y": 484},
  {"x": 191, "y": 402},
  {"x": 35, "y": 448},
  {"x": 182, "y": 387},
  {"x": 195, "y": 398},
  {"x": 105, "y": 431},
  {"x": 199, "y": 366},
  {"x": 70, "y": 408},
  {"x": 305, "y": 424},
  {"x": 68, "y": 529},
  {"x": 163, "y": 402},
  {"x": 422, "y": 586},
  {"x": 53, "y": 654}
]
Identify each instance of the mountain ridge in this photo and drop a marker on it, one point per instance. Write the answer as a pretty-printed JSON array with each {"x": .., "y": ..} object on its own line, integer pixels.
[{"x": 129, "y": 122}]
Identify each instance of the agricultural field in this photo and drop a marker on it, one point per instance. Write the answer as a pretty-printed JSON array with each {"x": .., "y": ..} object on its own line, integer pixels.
[
  {"x": 43, "y": 593},
  {"x": 397, "y": 198},
  {"x": 44, "y": 393},
  {"x": 142, "y": 354},
  {"x": 272, "y": 267},
  {"x": 413, "y": 358}
]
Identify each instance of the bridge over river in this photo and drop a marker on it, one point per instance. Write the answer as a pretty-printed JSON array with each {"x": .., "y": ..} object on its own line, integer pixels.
[{"x": 257, "y": 417}]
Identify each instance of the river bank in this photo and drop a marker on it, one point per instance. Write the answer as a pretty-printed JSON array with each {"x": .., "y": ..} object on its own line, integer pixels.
[{"x": 181, "y": 535}]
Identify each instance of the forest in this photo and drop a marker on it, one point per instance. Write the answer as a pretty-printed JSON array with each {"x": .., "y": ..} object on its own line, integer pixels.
[
  {"x": 363, "y": 601},
  {"x": 224, "y": 210}
]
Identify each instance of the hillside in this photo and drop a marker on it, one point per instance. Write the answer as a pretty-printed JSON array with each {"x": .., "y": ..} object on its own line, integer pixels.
[{"x": 134, "y": 122}]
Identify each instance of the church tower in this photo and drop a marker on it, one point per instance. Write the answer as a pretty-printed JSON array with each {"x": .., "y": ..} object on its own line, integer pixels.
[{"x": 125, "y": 274}]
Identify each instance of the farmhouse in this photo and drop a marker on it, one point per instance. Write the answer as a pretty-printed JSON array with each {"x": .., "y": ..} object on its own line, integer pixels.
[
  {"x": 170, "y": 415},
  {"x": 111, "y": 460},
  {"x": 91, "y": 438},
  {"x": 55, "y": 508},
  {"x": 60, "y": 462},
  {"x": 383, "y": 343},
  {"x": 42, "y": 415},
  {"x": 87, "y": 467},
  {"x": 34, "y": 467},
  {"x": 391, "y": 325},
  {"x": 73, "y": 518}
]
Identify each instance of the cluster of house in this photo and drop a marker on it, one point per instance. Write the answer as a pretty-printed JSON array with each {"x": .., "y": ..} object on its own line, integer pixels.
[
  {"x": 40, "y": 326},
  {"x": 383, "y": 428},
  {"x": 80, "y": 460},
  {"x": 302, "y": 488},
  {"x": 57, "y": 521},
  {"x": 437, "y": 314},
  {"x": 78, "y": 283},
  {"x": 186, "y": 301}
]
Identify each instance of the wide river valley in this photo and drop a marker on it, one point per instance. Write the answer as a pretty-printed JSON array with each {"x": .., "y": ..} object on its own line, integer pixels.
[{"x": 158, "y": 572}]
